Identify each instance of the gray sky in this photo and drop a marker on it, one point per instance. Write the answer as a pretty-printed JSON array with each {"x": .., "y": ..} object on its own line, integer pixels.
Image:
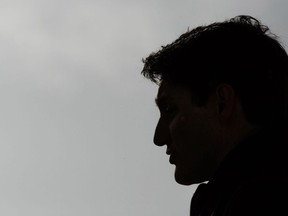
[{"x": 77, "y": 118}]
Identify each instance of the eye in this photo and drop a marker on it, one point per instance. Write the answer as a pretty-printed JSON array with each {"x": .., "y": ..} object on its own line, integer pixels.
[{"x": 167, "y": 109}]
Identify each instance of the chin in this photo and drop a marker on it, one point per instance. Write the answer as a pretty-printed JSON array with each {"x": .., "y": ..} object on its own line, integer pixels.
[{"x": 185, "y": 179}]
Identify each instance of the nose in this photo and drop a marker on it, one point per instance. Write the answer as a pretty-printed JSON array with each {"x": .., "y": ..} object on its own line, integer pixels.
[{"x": 161, "y": 135}]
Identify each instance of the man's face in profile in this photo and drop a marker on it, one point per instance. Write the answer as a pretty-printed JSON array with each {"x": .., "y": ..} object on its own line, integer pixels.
[{"x": 190, "y": 133}]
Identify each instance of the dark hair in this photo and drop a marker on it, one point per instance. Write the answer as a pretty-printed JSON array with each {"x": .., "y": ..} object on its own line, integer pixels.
[{"x": 241, "y": 52}]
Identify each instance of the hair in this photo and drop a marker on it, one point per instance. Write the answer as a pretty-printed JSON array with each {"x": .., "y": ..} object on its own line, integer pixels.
[{"x": 240, "y": 52}]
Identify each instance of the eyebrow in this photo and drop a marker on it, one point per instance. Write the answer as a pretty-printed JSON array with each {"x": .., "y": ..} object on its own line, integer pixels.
[{"x": 160, "y": 101}]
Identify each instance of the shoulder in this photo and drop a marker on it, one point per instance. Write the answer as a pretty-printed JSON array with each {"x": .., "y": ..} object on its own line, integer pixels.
[{"x": 258, "y": 198}]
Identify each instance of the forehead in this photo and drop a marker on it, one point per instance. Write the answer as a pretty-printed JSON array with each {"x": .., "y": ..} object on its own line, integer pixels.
[{"x": 167, "y": 91}]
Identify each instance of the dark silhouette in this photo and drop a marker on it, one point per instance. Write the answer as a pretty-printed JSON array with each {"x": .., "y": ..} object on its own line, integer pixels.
[{"x": 223, "y": 101}]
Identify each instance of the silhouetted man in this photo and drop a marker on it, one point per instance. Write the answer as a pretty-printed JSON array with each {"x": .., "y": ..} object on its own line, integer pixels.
[{"x": 223, "y": 98}]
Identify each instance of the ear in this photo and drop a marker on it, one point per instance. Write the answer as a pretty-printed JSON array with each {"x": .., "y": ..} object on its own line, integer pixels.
[{"x": 226, "y": 100}]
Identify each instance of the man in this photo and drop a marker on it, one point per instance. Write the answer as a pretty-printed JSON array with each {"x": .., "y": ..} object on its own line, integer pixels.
[{"x": 223, "y": 101}]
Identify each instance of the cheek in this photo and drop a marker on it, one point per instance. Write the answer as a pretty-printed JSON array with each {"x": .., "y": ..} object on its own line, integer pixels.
[
  {"x": 180, "y": 130},
  {"x": 190, "y": 132},
  {"x": 176, "y": 124}
]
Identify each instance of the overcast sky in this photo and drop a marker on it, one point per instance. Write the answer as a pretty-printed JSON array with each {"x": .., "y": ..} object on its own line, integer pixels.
[{"x": 76, "y": 117}]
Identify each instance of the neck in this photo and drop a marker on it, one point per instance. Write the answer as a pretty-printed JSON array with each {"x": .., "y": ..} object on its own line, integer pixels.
[{"x": 233, "y": 135}]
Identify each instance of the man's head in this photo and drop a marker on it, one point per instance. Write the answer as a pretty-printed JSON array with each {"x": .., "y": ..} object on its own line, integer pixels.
[{"x": 216, "y": 83}]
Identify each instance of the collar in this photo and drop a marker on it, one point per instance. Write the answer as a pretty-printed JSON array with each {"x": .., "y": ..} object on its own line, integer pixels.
[
  {"x": 262, "y": 156},
  {"x": 259, "y": 156}
]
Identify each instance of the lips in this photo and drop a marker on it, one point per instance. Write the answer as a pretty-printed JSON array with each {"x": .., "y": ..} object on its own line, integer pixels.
[
  {"x": 172, "y": 155},
  {"x": 168, "y": 152},
  {"x": 172, "y": 159}
]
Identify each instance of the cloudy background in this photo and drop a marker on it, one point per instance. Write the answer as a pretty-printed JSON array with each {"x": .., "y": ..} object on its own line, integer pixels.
[{"x": 76, "y": 117}]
